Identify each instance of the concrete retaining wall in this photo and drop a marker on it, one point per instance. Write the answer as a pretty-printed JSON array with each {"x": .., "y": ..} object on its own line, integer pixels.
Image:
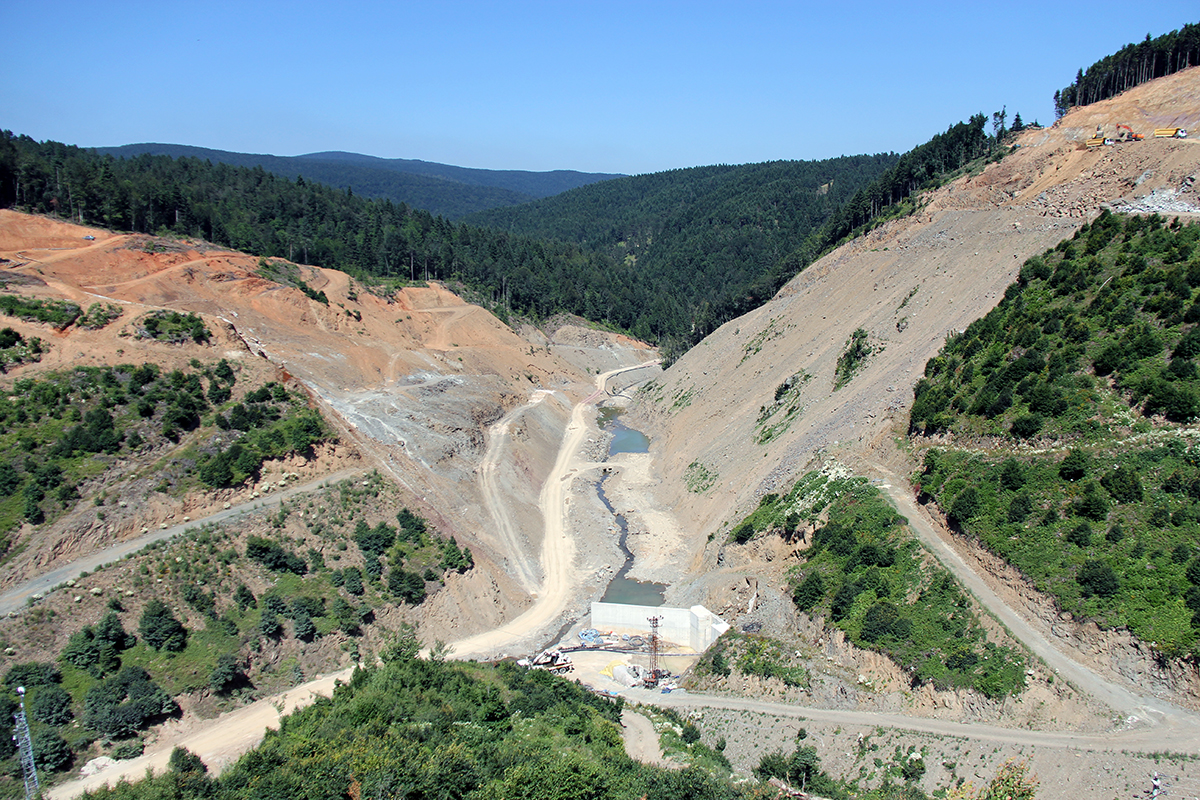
[{"x": 695, "y": 627}]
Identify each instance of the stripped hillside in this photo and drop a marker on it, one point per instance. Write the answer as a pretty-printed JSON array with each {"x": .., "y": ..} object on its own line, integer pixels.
[{"x": 826, "y": 370}]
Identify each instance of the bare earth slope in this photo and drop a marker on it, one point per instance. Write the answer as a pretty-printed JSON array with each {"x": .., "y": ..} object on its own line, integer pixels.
[
  {"x": 909, "y": 283},
  {"x": 413, "y": 380}
]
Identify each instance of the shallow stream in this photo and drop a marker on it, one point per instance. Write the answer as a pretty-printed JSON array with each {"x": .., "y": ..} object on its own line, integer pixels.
[{"x": 622, "y": 589}]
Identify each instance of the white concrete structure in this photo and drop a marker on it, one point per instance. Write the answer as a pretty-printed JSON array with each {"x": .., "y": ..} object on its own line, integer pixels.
[{"x": 694, "y": 627}]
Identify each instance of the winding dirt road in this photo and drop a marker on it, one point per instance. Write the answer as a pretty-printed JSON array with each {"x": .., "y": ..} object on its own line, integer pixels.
[
  {"x": 494, "y": 497},
  {"x": 17, "y": 596},
  {"x": 1119, "y": 698},
  {"x": 558, "y": 548}
]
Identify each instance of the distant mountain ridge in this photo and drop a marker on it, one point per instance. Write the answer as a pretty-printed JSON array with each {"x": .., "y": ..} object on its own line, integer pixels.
[{"x": 441, "y": 189}]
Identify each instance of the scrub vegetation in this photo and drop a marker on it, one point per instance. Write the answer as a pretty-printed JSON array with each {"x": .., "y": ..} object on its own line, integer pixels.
[
  {"x": 62, "y": 433},
  {"x": 1089, "y": 364},
  {"x": 868, "y": 576}
]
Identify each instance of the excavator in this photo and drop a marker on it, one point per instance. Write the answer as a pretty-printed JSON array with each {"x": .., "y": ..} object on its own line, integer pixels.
[{"x": 1128, "y": 135}]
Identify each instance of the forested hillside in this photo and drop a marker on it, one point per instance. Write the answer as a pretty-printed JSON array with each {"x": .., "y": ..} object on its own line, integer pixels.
[
  {"x": 440, "y": 189},
  {"x": 426, "y": 728},
  {"x": 1131, "y": 65},
  {"x": 1086, "y": 375},
  {"x": 697, "y": 235},
  {"x": 720, "y": 241},
  {"x": 700, "y": 247}
]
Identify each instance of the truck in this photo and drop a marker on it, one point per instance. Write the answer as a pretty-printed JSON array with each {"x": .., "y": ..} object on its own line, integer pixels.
[
  {"x": 1170, "y": 133},
  {"x": 554, "y": 661}
]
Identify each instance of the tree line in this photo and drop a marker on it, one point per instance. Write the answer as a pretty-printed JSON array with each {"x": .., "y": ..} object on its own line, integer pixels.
[
  {"x": 667, "y": 257},
  {"x": 888, "y": 195},
  {"x": 1133, "y": 64}
]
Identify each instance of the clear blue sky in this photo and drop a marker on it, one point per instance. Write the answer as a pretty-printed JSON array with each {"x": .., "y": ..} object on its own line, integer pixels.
[{"x": 596, "y": 86}]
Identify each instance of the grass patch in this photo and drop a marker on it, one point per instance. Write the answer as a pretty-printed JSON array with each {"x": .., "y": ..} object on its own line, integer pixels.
[
  {"x": 58, "y": 314},
  {"x": 774, "y": 419},
  {"x": 699, "y": 478},
  {"x": 854, "y": 357}
]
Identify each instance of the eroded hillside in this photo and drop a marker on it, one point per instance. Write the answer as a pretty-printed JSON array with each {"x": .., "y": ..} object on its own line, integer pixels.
[
  {"x": 411, "y": 380},
  {"x": 762, "y": 388}
]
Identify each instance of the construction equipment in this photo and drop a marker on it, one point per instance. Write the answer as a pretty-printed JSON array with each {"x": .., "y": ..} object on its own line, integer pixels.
[
  {"x": 1099, "y": 141},
  {"x": 553, "y": 661},
  {"x": 1129, "y": 135},
  {"x": 1170, "y": 133},
  {"x": 25, "y": 749}
]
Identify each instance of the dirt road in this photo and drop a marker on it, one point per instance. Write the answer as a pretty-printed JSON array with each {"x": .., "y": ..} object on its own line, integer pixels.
[
  {"x": 558, "y": 549},
  {"x": 218, "y": 744},
  {"x": 1119, "y": 698},
  {"x": 640, "y": 738},
  {"x": 494, "y": 496},
  {"x": 17, "y": 596},
  {"x": 232, "y": 734},
  {"x": 1142, "y": 739}
]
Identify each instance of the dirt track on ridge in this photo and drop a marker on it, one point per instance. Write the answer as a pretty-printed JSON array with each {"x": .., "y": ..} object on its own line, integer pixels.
[{"x": 16, "y": 596}]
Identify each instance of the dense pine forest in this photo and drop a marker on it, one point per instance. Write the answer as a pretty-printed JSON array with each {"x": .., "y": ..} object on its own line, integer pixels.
[
  {"x": 441, "y": 189},
  {"x": 666, "y": 257},
  {"x": 718, "y": 242},
  {"x": 1131, "y": 65}
]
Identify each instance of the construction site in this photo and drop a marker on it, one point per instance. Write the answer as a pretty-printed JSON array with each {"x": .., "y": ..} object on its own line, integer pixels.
[
  {"x": 632, "y": 646},
  {"x": 1124, "y": 133}
]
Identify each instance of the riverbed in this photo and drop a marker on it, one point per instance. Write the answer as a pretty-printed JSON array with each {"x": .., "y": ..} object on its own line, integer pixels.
[{"x": 623, "y": 589}]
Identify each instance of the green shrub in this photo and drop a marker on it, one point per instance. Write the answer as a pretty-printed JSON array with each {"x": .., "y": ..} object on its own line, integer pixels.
[
  {"x": 273, "y": 556},
  {"x": 174, "y": 327},
  {"x": 858, "y": 350},
  {"x": 50, "y": 751},
  {"x": 1092, "y": 504},
  {"x": 1026, "y": 426},
  {"x": 127, "y": 750},
  {"x": 50, "y": 704},
  {"x": 1123, "y": 484},
  {"x": 1012, "y": 476},
  {"x": 1098, "y": 578},
  {"x": 225, "y": 675},
  {"x": 1074, "y": 466},
  {"x": 32, "y": 673},
  {"x": 160, "y": 629},
  {"x": 1020, "y": 507},
  {"x": 966, "y": 505},
  {"x": 810, "y": 592},
  {"x": 129, "y": 701},
  {"x": 184, "y": 761},
  {"x": 1080, "y": 535}
]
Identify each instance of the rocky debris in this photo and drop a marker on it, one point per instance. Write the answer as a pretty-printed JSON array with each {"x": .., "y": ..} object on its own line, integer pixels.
[{"x": 1162, "y": 201}]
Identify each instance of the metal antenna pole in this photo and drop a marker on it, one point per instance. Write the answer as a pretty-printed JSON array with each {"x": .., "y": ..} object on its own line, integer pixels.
[
  {"x": 654, "y": 644},
  {"x": 25, "y": 748}
]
